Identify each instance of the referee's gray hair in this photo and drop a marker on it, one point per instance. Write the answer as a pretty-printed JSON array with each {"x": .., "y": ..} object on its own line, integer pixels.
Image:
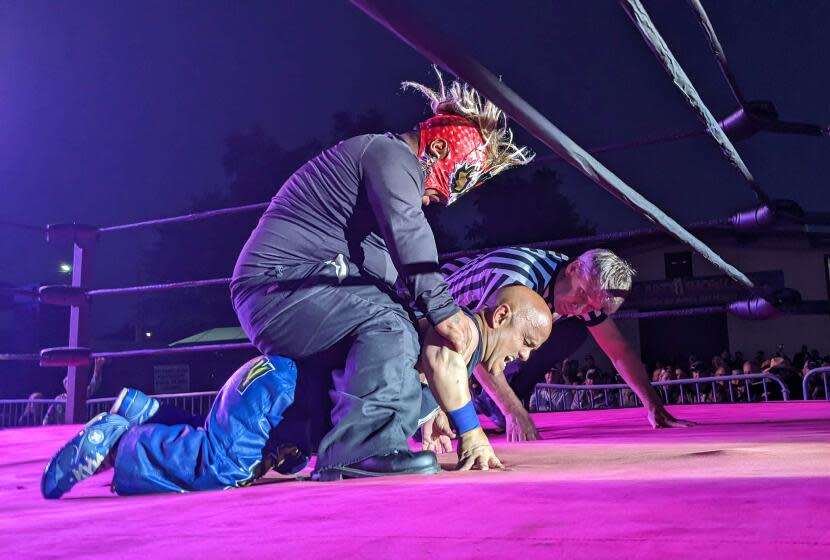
[{"x": 607, "y": 272}]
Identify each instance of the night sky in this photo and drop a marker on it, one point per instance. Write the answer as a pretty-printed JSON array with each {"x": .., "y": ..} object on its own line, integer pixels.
[{"x": 117, "y": 111}]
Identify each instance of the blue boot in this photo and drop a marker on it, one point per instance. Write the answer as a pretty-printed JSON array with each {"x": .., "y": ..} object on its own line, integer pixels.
[
  {"x": 134, "y": 405},
  {"x": 83, "y": 455}
]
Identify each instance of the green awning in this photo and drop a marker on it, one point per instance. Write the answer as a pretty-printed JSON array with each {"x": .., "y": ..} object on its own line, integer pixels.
[{"x": 213, "y": 336}]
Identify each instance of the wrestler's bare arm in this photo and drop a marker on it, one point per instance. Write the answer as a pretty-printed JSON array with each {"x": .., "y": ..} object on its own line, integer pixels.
[
  {"x": 632, "y": 370},
  {"x": 446, "y": 374},
  {"x": 445, "y": 370},
  {"x": 519, "y": 425}
]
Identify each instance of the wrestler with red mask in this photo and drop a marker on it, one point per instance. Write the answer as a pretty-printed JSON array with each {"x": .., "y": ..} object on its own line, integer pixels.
[
  {"x": 314, "y": 290},
  {"x": 453, "y": 156}
]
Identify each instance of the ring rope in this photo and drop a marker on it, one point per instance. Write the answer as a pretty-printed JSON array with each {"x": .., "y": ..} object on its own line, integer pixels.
[
  {"x": 688, "y": 312},
  {"x": 647, "y": 141},
  {"x": 18, "y": 292},
  {"x": 170, "y": 351},
  {"x": 769, "y": 125},
  {"x": 19, "y": 357},
  {"x": 715, "y": 224},
  {"x": 437, "y": 49},
  {"x": 159, "y": 287},
  {"x": 19, "y": 225},
  {"x": 756, "y": 309},
  {"x": 641, "y": 19},
  {"x": 195, "y": 216},
  {"x": 717, "y": 50}
]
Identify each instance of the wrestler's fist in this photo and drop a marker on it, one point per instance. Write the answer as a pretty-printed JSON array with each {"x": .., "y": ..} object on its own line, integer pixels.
[
  {"x": 458, "y": 330},
  {"x": 437, "y": 434},
  {"x": 475, "y": 452}
]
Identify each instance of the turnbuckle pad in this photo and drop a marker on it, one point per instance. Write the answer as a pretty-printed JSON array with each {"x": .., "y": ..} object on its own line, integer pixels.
[
  {"x": 66, "y": 356},
  {"x": 63, "y": 295},
  {"x": 75, "y": 233}
]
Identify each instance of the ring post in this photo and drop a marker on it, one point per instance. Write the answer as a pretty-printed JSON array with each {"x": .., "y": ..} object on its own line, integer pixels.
[{"x": 83, "y": 238}]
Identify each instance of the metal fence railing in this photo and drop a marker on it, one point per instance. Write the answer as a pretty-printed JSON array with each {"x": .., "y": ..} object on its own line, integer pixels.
[
  {"x": 197, "y": 404},
  {"x": 16, "y": 413},
  {"x": 811, "y": 387},
  {"x": 750, "y": 387},
  {"x": 546, "y": 398}
]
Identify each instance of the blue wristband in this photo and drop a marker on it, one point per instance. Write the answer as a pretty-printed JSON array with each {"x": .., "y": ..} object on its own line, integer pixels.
[{"x": 464, "y": 419}]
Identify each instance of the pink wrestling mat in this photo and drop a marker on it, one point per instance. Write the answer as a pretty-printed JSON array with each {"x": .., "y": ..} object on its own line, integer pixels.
[{"x": 753, "y": 481}]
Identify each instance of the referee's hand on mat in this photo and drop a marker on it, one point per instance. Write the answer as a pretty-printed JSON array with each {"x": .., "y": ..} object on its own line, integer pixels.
[
  {"x": 659, "y": 417},
  {"x": 519, "y": 426}
]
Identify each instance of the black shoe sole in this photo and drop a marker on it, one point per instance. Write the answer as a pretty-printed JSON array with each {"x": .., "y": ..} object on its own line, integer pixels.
[{"x": 343, "y": 473}]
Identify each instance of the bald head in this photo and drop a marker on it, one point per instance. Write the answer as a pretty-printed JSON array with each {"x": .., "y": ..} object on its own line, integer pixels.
[
  {"x": 516, "y": 321},
  {"x": 526, "y": 306}
]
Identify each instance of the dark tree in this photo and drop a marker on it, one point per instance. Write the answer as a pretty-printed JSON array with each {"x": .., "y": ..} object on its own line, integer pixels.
[
  {"x": 256, "y": 165},
  {"x": 520, "y": 206}
]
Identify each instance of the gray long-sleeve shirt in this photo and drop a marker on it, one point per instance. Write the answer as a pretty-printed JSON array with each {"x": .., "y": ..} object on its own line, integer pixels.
[{"x": 362, "y": 199}]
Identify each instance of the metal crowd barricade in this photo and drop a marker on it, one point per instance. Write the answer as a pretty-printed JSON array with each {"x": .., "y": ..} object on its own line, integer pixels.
[
  {"x": 550, "y": 397},
  {"x": 197, "y": 404},
  {"x": 805, "y": 384},
  {"x": 15, "y": 413}
]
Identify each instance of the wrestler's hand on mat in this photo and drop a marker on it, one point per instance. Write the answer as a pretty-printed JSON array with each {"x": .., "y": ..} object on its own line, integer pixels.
[
  {"x": 475, "y": 452},
  {"x": 437, "y": 434},
  {"x": 520, "y": 427},
  {"x": 458, "y": 330},
  {"x": 659, "y": 417}
]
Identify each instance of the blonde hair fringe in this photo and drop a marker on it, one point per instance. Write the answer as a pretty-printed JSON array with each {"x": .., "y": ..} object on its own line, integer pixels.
[{"x": 462, "y": 100}]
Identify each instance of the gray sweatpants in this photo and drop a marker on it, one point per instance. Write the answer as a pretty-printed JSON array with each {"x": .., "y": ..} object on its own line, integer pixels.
[{"x": 305, "y": 310}]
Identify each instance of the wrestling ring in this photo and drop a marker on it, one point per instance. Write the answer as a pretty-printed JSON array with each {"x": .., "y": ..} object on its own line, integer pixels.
[{"x": 751, "y": 479}]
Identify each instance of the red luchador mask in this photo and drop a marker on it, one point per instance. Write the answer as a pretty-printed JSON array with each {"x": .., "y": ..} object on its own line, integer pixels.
[{"x": 463, "y": 168}]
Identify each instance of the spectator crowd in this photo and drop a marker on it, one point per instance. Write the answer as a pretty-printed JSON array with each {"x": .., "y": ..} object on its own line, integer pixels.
[{"x": 790, "y": 371}]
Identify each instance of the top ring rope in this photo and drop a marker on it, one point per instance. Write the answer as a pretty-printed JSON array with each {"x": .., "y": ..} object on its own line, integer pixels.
[
  {"x": 439, "y": 51},
  {"x": 186, "y": 217},
  {"x": 22, "y": 226},
  {"x": 717, "y": 50},
  {"x": 762, "y": 113},
  {"x": 638, "y": 15},
  {"x": 639, "y": 143},
  {"x": 595, "y": 240}
]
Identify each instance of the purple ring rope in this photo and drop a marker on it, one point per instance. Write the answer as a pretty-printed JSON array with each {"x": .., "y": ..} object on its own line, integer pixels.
[
  {"x": 19, "y": 292},
  {"x": 186, "y": 217},
  {"x": 715, "y": 224},
  {"x": 689, "y": 312},
  {"x": 159, "y": 287},
  {"x": 169, "y": 351},
  {"x": 19, "y": 357},
  {"x": 647, "y": 141},
  {"x": 717, "y": 50},
  {"x": 18, "y": 225},
  {"x": 639, "y": 16},
  {"x": 437, "y": 49}
]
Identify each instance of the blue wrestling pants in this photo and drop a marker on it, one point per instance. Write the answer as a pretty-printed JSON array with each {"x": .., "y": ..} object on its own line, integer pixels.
[{"x": 232, "y": 449}]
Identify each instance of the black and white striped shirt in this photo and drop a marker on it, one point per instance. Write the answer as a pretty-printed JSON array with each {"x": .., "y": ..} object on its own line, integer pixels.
[{"x": 472, "y": 280}]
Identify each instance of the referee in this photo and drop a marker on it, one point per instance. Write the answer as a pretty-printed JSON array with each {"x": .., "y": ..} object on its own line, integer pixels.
[{"x": 589, "y": 288}]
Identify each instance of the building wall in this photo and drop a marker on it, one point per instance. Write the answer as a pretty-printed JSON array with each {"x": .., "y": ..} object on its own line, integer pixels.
[{"x": 804, "y": 270}]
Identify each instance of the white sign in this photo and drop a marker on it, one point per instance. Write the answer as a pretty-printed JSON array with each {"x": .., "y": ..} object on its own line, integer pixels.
[{"x": 171, "y": 378}]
